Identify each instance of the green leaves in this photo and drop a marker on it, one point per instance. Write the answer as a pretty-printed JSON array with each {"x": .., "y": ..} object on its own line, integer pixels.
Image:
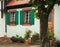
[
  {"x": 34, "y": 3},
  {"x": 37, "y": 15},
  {"x": 0, "y": 0},
  {"x": 41, "y": 4},
  {"x": 49, "y": 2},
  {"x": 58, "y": 2},
  {"x": 30, "y": 2}
]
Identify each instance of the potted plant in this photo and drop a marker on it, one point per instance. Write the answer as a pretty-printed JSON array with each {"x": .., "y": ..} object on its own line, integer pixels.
[
  {"x": 14, "y": 39},
  {"x": 35, "y": 38},
  {"x": 17, "y": 39},
  {"x": 21, "y": 40},
  {"x": 51, "y": 37},
  {"x": 27, "y": 36}
]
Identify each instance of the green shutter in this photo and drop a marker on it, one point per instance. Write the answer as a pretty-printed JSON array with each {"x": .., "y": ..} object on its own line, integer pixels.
[
  {"x": 21, "y": 17},
  {"x": 32, "y": 17},
  {"x": 16, "y": 17},
  {"x": 7, "y": 18}
]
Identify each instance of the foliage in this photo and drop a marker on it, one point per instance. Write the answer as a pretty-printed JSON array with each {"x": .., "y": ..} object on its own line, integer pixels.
[
  {"x": 17, "y": 36},
  {"x": 35, "y": 37},
  {"x": 58, "y": 2},
  {"x": 51, "y": 35},
  {"x": 57, "y": 43},
  {"x": 37, "y": 3},
  {"x": 27, "y": 34},
  {"x": 5, "y": 36},
  {"x": 21, "y": 40},
  {"x": 0, "y": 0},
  {"x": 17, "y": 39},
  {"x": 43, "y": 13},
  {"x": 41, "y": 4},
  {"x": 14, "y": 39}
]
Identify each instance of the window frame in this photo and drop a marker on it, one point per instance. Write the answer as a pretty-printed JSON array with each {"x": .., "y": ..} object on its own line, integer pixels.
[{"x": 12, "y": 18}]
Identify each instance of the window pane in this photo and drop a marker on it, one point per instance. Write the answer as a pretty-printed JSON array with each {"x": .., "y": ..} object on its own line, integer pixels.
[{"x": 26, "y": 16}]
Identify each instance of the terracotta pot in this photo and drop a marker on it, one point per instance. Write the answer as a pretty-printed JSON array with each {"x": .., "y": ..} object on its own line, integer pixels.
[
  {"x": 27, "y": 41},
  {"x": 51, "y": 42}
]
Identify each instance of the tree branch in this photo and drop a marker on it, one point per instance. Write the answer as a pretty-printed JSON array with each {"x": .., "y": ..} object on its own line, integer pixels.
[{"x": 50, "y": 7}]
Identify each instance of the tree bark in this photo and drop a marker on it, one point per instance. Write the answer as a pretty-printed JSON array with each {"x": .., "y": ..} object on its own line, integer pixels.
[{"x": 44, "y": 31}]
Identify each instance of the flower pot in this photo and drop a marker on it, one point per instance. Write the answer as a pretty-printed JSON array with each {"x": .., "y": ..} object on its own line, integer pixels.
[
  {"x": 27, "y": 41},
  {"x": 51, "y": 42}
]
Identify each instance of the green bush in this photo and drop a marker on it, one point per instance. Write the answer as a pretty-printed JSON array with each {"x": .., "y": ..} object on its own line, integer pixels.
[
  {"x": 17, "y": 39},
  {"x": 35, "y": 37},
  {"x": 21, "y": 40},
  {"x": 27, "y": 34},
  {"x": 51, "y": 35},
  {"x": 57, "y": 43},
  {"x": 14, "y": 39}
]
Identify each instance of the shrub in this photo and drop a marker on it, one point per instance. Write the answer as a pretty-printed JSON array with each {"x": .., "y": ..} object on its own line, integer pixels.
[
  {"x": 17, "y": 39},
  {"x": 35, "y": 37},
  {"x": 58, "y": 43},
  {"x": 27, "y": 34},
  {"x": 14, "y": 39},
  {"x": 21, "y": 40},
  {"x": 51, "y": 35}
]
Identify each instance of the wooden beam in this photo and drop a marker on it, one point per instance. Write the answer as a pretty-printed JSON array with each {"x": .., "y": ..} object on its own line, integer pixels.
[
  {"x": 18, "y": 6},
  {"x": 1, "y": 9}
]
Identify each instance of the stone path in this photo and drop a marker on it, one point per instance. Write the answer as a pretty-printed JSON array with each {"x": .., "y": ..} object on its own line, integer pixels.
[{"x": 18, "y": 45}]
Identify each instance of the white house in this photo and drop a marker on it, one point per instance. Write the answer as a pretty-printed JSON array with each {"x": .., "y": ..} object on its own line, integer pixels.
[
  {"x": 21, "y": 26},
  {"x": 19, "y": 29}
]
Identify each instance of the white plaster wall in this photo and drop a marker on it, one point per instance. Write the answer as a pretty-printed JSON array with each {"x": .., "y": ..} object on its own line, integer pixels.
[
  {"x": 17, "y": 30},
  {"x": 20, "y": 30},
  {"x": 2, "y": 24},
  {"x": 57, "y": 21}
]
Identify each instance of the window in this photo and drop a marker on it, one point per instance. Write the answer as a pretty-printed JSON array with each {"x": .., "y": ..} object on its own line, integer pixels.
[
  {"x": 26, "y": 17},
  {"x": 12, "y": 18}
]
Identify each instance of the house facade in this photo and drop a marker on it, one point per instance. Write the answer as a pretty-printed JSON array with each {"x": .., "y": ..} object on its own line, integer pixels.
[{"x": 20, "y": 17}]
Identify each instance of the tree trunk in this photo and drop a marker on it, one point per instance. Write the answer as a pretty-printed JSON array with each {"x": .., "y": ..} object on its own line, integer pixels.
[{"x": 44, "y": 31}]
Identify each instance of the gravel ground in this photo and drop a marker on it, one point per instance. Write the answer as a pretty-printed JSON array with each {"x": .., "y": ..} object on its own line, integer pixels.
[{"x": 18, "y": 45}]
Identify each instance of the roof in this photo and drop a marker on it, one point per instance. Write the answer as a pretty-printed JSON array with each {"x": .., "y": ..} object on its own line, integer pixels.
[{"x": 17, "y": 2}]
